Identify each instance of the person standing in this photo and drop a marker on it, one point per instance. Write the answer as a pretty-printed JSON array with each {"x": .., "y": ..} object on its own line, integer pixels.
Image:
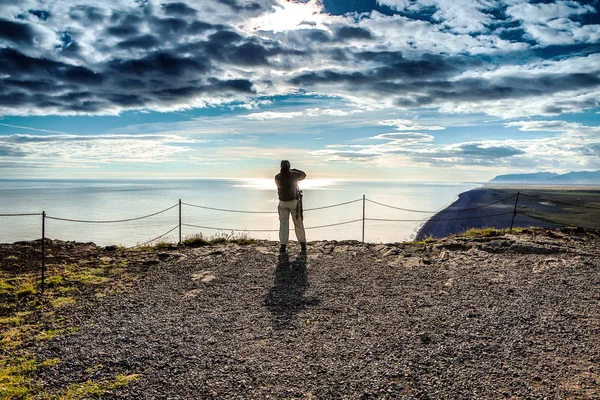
[{"x": 290, "y": 202}]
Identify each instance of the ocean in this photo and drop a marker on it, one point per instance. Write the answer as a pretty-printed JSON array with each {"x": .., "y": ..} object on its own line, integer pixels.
[{"x": 123, "y": 199}]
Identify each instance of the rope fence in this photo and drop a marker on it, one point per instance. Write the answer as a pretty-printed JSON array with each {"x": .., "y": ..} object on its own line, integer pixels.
[
  {"x": 515, "y": 211},
  {"x": 444, "y": 211},
  {"x": 19, "y": 215},
  {"x": 111, "y": 221}
]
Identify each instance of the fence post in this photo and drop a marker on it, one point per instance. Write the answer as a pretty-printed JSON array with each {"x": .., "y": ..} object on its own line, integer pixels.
[
  {"x": 514, "y": 212},
  {"x": 43, "y": 250},
  {"x": 363, "y": 227},
  {"x": 179, "y": 221}
]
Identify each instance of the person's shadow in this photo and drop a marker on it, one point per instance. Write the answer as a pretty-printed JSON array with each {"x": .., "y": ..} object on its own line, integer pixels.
[{"x": 286, "y": 298}]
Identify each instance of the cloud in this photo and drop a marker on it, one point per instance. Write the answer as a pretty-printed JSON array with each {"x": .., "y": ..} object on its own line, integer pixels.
[
  {"x": 261, "y": 116},
  {"x": 461, "y": 16},
  {"x": 309, "y": 112},
  {"x": 16, "y": 32},
  {"x": 573, "y": 146},
  {"x": 509, "y": 58},
  {"x": 93, "y": 149},
  {"x": 408, "y": 125},
  {"x": 405, "y": 137}
]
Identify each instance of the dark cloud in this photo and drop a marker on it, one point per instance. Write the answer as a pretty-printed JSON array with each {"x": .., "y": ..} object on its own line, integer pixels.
[
  {"x": 160, "y": 63},
  {"x": 41, "y": 14},
  {"x": 147, "y": 54},
  {"x": 16, "y": 32},
  {"x": 397, "y": 68},
  {"x": 352, "y": 32},
  {"x": 224, "y": 38},
  {"x": 235, "y": 5},
  {"x": 169, "y": 26},
  {"x": 141, "y": 42},
  {"x": 87, "y": 14},
  {"x": 199, "y": 27},
  {"x": 15, "y": 63},
  {"x": 122, "y": 30},
  {"x": 178, "y": 9}
]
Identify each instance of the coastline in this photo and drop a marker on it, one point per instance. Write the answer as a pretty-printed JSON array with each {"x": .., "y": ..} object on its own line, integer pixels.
[{"x": 439, "y": 226}]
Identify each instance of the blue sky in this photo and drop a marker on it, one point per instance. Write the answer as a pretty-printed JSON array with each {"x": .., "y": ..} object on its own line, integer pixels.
[{"x": 426, "y": 90}]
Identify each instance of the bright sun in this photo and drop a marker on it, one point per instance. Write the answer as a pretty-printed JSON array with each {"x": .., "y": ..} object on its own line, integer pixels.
[{"x": 288, "y": 15}]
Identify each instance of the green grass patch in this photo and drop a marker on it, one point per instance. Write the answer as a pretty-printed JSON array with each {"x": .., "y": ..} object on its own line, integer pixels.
[
  {"x": 6, "y": 288},
  {"x": 196, "y": 240},
  {"x": 51, "y": 362},
  {"x": 61, "y": 302},
  {"x": 219, "y": 240},
  {"x": 53, "y": 333},
  {"x": 429, "y": 239},
  {"x": 88, "y": 276},
  {"x": 199, "y": 240},
  {"x": 14, "y": 380},
  {"x": 484, "y": 232},
  {"x": 67, "y": 289},
  {"x": 14, "y": 320},
  {"x": 162, "y": 245},
  {"x": 53, "y": 281},
  {"x": 93, "y": 389}
]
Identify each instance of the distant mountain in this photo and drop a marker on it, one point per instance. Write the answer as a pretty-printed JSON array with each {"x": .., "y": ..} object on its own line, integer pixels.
[{"x": 571, "y": 178}]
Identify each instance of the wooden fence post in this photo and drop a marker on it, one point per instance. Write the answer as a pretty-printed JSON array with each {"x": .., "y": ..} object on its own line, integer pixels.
[{"x": 512, "y": 222}]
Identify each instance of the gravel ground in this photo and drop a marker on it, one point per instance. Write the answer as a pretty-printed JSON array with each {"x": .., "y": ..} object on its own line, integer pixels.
[{"x": 507, "y": 317}]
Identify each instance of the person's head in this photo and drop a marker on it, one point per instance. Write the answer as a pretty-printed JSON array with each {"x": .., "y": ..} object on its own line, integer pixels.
[{"x": 285, "y": 165}]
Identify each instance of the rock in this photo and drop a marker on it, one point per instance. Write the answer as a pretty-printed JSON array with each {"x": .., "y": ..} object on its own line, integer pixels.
[
  {"x": 425, "y": 338},
  {"x": 203, "y": 276},
  {"x": 111, "y": 248},
  {"x": 192, "y": 293},
  {"x": 533, "y": 249},
  {"x": 444, "y": 256}
]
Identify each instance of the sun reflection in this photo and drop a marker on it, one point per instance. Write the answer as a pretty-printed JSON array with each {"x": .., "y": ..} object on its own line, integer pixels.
[{"x": 269, "y": 184}]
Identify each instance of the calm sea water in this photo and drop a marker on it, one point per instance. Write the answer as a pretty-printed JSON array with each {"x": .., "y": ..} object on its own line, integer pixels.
[{"x": 120, "y": 199}]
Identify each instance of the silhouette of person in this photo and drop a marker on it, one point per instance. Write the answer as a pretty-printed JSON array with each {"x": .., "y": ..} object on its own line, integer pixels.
[{"x": 290, "y": 202}]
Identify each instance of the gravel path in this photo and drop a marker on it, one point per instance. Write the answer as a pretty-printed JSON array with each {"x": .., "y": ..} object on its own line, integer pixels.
[{"x": 513, "y": 317}]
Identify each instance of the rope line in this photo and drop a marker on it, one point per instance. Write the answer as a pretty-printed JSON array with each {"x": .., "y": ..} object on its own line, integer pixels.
[
  {"x": 542, "y": 219},
  {"x": 333, "y": 205},
  {"x": 443, "y": 211},
  {"x": 227, "y": 210},
  {"x": 19, "y": 215},
  {"x": 156, "y": 238},
  {"x": 267, "y": 212},
  {"x": 232, "y": 230},
  {"x": 437, "y": 219},
  {"x": 112, "y": 221},
  {"x": 559, "y": 202},
  {"x": 269, "y": 230}
]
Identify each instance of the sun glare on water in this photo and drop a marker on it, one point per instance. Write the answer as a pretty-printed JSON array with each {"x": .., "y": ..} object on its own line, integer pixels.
[{"x": 269, "y": 184}]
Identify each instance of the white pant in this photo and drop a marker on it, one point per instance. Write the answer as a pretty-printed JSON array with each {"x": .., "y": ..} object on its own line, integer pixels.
[{"x": 284, "y": 209}]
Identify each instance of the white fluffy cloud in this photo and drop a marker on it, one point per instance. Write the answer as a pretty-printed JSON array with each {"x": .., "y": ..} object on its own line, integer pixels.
[
  {"x": 572, "y": 146},
  {"x": 75, "y": 150}
]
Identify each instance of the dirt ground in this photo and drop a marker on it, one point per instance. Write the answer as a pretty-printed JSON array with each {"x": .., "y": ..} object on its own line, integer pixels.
[{"x": 515, "y": 316}]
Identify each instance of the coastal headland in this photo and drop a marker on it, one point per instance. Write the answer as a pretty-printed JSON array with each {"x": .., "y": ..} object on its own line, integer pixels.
[
  {"x": 538, "y": 206},
  {"x": 486, "y": 315}
]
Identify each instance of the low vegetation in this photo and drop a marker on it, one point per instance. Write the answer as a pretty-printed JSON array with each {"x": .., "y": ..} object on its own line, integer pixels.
[
  {"x": 199, "y": 240},
  {"x": 427, "y": 240},
  {"x": 27, "y": 317}
]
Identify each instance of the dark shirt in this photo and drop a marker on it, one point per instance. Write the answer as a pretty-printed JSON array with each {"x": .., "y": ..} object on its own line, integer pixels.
[{"x": 287, "y": 183}]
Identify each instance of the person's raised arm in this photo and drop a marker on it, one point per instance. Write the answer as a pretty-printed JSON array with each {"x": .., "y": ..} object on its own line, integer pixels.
[{"x": 298, "y": 175}]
